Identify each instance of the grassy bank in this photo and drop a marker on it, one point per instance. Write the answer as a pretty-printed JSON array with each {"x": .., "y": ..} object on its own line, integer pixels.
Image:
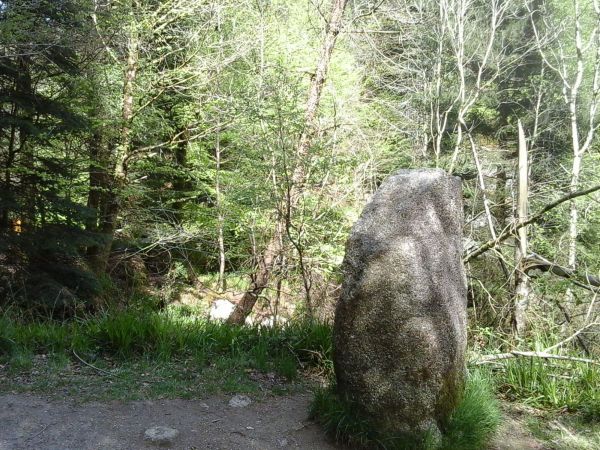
[{"x": 142, "y": 354}]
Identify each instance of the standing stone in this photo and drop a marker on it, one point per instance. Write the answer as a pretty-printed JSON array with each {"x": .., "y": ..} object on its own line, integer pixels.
[{"x": 400, "y": 324}]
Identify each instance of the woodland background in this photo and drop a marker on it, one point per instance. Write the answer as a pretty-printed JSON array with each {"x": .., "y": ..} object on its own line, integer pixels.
[{"x": 154, "y": 151}]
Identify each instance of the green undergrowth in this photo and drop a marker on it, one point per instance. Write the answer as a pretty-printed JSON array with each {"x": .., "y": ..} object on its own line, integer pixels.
[
  {"x": 471, "y": 425},
  {"x": 558, "y": 385},
  {"x": 177, "y": 351}
]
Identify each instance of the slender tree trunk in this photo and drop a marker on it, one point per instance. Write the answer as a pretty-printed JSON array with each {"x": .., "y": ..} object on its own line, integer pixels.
[
  {"x": 10, "y": 159},
  {"x": 127, "y": 112},
  {"x": 575, "y": 171},
  {"x": 24, "y": 87},
  {"x": 486, "y": 202},
  {"x": 221, "y": 283},
  {"x": 99, "y": 200},
  {"x": 260, "y": 279},
  {"x": 579, "y": 147},
  {"x": 522, "y": 281},
  {"x": 97, "y": 176},
  {"x": 180, "y": 184},
  {"x": 573, "y": 218},
  {"x": 314, "y": 94},
  {"x": 116, "y": 181}
]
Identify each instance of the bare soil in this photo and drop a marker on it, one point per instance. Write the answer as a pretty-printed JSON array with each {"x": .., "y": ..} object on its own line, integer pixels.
[
  {"x": 33, "y": 422},
  {"x": 513, "y": 433},
  {"x": 274, "y": 422}
]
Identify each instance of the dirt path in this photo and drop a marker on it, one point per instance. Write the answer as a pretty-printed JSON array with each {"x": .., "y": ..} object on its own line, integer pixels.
[
  {"x": 31, "y": 422},
  {"x": 513, "y": 435}
]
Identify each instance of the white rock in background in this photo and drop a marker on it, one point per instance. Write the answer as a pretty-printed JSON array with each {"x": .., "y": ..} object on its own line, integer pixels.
[
  {"x": 220, "y": 309},
  {"x": 162, "y": 436}
]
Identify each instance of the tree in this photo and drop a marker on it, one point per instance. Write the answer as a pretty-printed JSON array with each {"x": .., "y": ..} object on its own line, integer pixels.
[
  {"x": 154, "y": 47},
  {"x": 274, "y": 247},
  {"x": 570, "y": 48}
]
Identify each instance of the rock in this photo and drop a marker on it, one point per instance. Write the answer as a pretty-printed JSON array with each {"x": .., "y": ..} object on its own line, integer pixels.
[
  {"x": 271, "y": 321},
  {"x": 400, "y": 324},
  {"x": 239, "y": 401},
  {"x": 221, "y": 309},
  {"x": 161, "y": 436}
]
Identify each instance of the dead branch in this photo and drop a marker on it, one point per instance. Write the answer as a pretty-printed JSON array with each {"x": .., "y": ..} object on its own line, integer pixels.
[
  {"x": 485, "y": 359},
  {"x": 516, "y": 353},
  {"x": 510, "y": 231},
  {"x": 534, "y": 261}
]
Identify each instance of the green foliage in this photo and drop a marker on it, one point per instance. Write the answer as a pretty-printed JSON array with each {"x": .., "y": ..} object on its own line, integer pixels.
[
  {"x": 476, "y": 418},
  {"x": 131, "y": 335},
  {"x": 556, "y": 384}
]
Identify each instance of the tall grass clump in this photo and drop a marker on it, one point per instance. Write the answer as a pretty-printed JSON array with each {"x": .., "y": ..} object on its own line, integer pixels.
[
  {"x": 341, "y": 421},
  {"x": 555, "y": 384},
  {"x": 476, "y": 418},
  {"x": 470, "y": 427}
]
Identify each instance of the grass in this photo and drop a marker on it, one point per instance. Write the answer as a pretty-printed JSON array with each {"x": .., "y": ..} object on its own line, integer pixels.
[
  {"x": 470, "y": 427},
  {"x": 557, "y": 385},
  {"x": 476, "y": 418},
  {"x": 183, "y": 352}
]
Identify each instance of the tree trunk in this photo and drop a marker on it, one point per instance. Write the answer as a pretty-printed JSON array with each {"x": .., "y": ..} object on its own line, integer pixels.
[
  {"x": 486, "y": 203},
  {"x": 221, "y": 283},
  {"x": 116, "y": 180},
  {"x": 522, "y": 280},
  {"x": 10, "y": 159},
  {"x": 24, "y": 88},
  {"x": 274, "y": 247},
  {"x": 127, "y": 111},
  {"x": 100, "y": 201}
]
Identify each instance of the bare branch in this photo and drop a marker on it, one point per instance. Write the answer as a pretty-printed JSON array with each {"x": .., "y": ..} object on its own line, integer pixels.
[{"x": 510, "y": 231}]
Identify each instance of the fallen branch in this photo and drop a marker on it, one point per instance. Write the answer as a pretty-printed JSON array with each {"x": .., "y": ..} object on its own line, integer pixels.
[
  {"x": 515, "y": 353},
  {"x": 534, "y": 261},
  {"x": 573, "y": 336},
  {"x": 91, "y": 365},
  {"x": 44, "y": 428},
  {"x": 544, "y": 353},
  {"x": 510, "y": 231}
]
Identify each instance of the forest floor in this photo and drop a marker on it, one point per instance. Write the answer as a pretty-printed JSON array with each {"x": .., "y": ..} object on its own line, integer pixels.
[{"x": 79, "y": 407}]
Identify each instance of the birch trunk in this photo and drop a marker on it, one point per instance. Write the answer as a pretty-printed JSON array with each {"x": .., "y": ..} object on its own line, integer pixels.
[
  {"x": 221, "y": 284},
  {"x": 522, "y": 280}
]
